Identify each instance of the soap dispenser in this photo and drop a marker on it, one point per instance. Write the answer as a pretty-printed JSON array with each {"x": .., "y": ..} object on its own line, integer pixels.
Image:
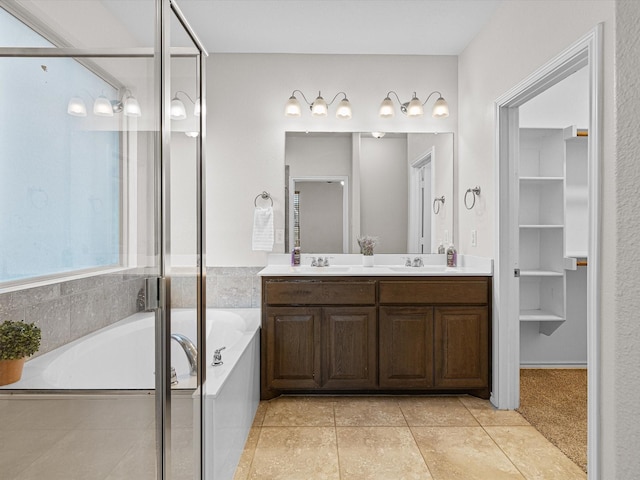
[
  {"x": 441, "y": 249},
  {"x": 452, "y": 256},
  {"x": 295, "y": 255}
]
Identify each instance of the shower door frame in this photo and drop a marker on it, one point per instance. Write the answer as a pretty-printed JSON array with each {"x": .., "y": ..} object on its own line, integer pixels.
[{"x": 162, "y": 53}]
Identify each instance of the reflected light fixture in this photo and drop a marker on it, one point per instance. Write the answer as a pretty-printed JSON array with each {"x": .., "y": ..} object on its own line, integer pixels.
[
  {"x": 103, "y": 107},
  {"x": 319, "y": 107},
  {"x": 414, "y": 107},
  {"x": 77, "y": 107},
  {"x": 178, "y": 110}
]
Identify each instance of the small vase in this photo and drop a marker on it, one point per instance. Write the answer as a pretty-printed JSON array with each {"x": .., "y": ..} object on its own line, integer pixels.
[
  {"x": 367, "y": 260},
  {"x": 11, "y": 370}
]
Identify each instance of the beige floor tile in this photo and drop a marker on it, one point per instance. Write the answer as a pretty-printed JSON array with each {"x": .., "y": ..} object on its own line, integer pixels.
[
  {"x": 20, "y": 448},
  {"x": 369, "y": 412},
  {"x": 118, "y": 412},
  {"x": 244, "y": 465},
  {"x": 139, "y": 463},
  {"x": 436, "y": 412},
  {"x": 533, "y": 454},
  {"x": 296, "y": 453},
  {"x": 62, "y": 413},
  {"x": 463, "y": 453},
  {"x": 368, "y": 453},
  {"x": 486, "y": 414},
  {"x": 82, "y": 454},
  {"x": 299, "y": 412},
  {"x": 259, "y": 417}
]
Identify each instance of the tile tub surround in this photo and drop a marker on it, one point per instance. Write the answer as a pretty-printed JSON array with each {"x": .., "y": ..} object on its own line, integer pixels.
[
  {"x": 227, "y": 287},
  {"x": 414, "y": 437},
  {"x": 70, "y": 309}
]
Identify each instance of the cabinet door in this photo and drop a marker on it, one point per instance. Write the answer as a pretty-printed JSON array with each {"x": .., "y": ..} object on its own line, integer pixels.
[
  {"x": 406, "y": 347},
  {"x": 462, "y": 347},
  {"x": 350, "y": 347},
  {"x": 293, "y": 348}
]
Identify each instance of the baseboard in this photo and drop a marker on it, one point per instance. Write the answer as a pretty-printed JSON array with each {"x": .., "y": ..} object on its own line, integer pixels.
[{"x": 553, "y": 365}]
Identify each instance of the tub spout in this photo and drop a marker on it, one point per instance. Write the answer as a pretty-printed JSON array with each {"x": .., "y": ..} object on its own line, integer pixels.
[{"x": 190, "y": 350}]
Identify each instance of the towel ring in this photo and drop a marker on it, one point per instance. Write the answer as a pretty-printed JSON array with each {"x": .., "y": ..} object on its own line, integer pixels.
[
  {"x": 264, "y": 195},
  {"x": 475, "y": 192},
  {"x": 436, "y": 204}
]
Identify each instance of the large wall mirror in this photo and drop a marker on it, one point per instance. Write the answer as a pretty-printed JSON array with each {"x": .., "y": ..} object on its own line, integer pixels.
[{"x": 397, "y": 187}]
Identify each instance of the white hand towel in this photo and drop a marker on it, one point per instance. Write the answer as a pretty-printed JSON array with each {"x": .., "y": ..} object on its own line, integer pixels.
[{"x": 263, "y": 229}]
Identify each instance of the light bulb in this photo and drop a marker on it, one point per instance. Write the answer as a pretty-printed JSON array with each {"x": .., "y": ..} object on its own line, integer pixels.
[
  {"x": 414, "y": 109},
  {"x": 77, "y": 107},
  {"x": 292, "y": 107},
  {"x": 386, "y": 108},
  {"x": 177, "y": 112},
  {"x": 440, "y": 108},
  {"x": 102, "y": 107},
  {"x": 132, "y": 107},
  {"x": 343, "y": 110},
  {"x": 319, "y": 107}
]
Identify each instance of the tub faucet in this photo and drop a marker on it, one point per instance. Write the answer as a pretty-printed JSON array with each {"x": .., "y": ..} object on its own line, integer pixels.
[{"x": 190, "y": 350}]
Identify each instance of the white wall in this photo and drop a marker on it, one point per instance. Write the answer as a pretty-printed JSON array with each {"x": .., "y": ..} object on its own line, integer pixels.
[
  {"x": 521, "y": 37},
  {"x": 384, "y": 193},
  {"x": 246, "y": 126},
  {"x": 564, "y": 104},
  {"x": 622, "y": 414}
]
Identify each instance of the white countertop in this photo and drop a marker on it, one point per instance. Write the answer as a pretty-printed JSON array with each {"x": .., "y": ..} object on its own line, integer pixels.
[{"x": 385, "y": 265}]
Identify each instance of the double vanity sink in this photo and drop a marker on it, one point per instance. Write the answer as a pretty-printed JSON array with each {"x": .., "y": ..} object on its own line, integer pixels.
[
  {"x": 389, "y": 328},
  {"x": 390, "y": 265}
]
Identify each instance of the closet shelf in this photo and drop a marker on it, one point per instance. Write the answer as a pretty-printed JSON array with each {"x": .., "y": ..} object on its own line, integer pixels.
[
  {"x": 541, "y": 179},
  {"x": 540, "y": 273},
  {"x": 539, "y": 316},
  {"x": 542, "y": 226}
]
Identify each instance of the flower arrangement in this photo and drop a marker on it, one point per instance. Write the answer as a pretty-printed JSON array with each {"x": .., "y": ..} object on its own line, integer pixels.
[{"x": 367, "y": 244}]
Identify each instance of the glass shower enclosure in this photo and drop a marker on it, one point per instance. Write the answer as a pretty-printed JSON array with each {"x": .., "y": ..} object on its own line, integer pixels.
[{"x": 101, "y": 238}]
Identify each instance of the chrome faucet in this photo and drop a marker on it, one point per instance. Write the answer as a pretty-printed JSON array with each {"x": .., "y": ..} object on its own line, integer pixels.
[
  {"x": 417, "y": 262},
  {"x": 190, "y": 350}
]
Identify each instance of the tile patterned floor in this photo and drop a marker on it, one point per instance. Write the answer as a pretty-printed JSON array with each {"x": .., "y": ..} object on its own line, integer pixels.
[{"x": 361, "y": 438}]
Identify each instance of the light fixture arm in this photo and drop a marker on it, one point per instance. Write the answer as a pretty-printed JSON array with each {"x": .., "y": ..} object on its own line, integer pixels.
[
  {"x": 396, "y": 95},
  {"x": 293, "y": 94},
  {"x": 185, "y": 94},
  {"x": 430, "y": 95},
  {"x": 336, "y": 96}
]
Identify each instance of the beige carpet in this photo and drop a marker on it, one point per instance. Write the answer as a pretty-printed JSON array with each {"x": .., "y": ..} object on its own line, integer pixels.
[{"x": 554, "y": 401}]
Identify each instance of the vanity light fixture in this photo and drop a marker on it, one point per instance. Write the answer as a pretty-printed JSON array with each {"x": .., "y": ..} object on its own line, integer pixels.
[
  {"x": 178, "y": 110},
  {"x": 319, "y": 107},
  {"x": 103, "y": 107},
  {"x": 414, "y": 107}
]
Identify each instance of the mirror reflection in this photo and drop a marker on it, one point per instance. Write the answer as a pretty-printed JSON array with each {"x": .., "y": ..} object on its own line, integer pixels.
[{"x": 394, "y": 186}]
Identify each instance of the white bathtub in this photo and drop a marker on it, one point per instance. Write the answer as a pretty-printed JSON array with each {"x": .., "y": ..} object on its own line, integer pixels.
[{"x": 121, "y": 357}]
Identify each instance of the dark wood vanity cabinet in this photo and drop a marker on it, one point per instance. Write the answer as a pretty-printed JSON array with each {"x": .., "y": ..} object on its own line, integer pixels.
[
  {"x": 406, "y": 347},
  {"x": 384, "y": 334}
]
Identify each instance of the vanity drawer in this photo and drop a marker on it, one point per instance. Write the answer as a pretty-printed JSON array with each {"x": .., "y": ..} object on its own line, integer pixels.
[
  {"x": 314, "y": 293},
  {"x": 435, "y": 292}
]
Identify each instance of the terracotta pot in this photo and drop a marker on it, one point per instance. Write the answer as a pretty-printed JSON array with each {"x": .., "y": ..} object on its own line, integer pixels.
[{"x": 11, "y": 370}]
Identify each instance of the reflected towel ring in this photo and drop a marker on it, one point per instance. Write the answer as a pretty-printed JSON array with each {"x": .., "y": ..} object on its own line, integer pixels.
[
  {"x": 436, "y": 204},
  {"x": 264, "y": 195},
  {"x": 475, "y": 192}
]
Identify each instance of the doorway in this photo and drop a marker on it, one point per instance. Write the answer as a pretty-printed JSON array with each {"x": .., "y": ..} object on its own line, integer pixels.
[{"x": 585, "y": 53}]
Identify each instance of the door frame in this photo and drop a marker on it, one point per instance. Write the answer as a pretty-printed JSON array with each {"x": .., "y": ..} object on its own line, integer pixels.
[
  {"x": 422, "y": 160},
  {"x": 344, "y": 179},
  {"x": 587, "y": 51}
]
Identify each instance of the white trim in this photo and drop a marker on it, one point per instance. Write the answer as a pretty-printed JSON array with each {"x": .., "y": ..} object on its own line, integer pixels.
[
  {"x": 345, "y": 203},
  {"x": 413, "y": 244},
  {"x": 585, "y": 52}
]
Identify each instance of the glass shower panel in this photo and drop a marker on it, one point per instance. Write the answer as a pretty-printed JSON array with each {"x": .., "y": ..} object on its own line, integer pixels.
[
  {"x": 79, "y": 223},
  {"x": 184, "y": 259}
]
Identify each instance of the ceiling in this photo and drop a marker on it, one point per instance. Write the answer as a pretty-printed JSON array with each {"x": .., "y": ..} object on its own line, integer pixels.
[{"x": 395, "y": 27}]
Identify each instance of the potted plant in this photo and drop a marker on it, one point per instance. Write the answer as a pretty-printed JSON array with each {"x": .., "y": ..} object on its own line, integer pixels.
[
  {"x": 367, "y": 244},
  {"x": 18, "y": 340}
]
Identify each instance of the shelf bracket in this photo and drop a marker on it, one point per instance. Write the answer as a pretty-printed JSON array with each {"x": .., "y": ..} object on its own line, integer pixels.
[{"x": 548, "y": 327}]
